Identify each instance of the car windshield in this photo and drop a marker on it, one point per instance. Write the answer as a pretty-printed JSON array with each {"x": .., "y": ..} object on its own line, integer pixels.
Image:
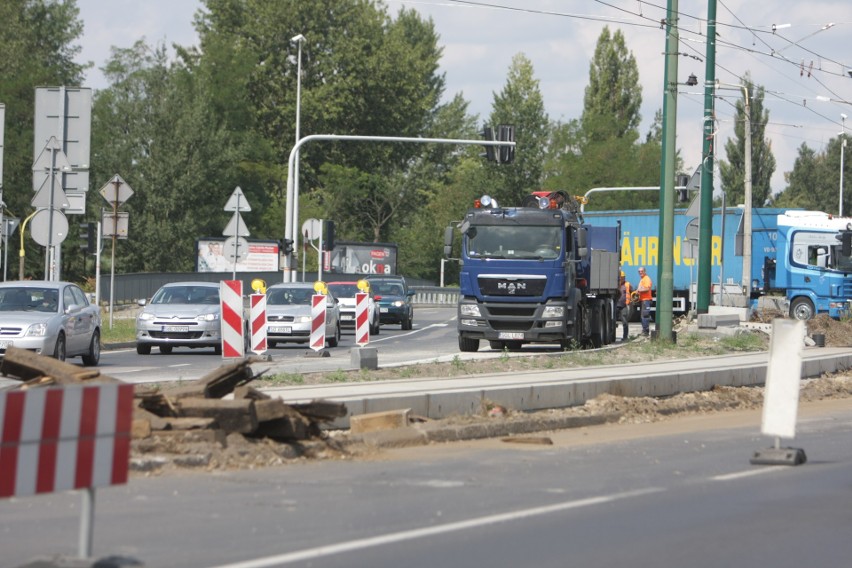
[
  {"x": 186, "y": 295},
  {"x": 289, "y": 296},
  {"x": 343, "y": 290},
  {"x": 388, "y": 289},
  {"x": 29, "y": 300}
]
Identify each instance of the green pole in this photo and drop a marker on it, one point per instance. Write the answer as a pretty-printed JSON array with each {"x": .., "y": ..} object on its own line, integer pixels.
[
  {"x": 705, "y": 219},
  {"x": 665, "y": 275}
]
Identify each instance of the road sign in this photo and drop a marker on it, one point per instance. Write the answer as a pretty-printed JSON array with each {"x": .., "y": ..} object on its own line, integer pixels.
[
  {"x": 236, "y": 227},
  {"x": 116, "y": 191},
  {"x": 50, "y": 194},
  {"x": 312, "y": 228},
  {"x": 9, "y": 225},
  {"x": 45, "y": 232},
  {"x": 66, "y": 114},
  {"x": 115, "y": 225},
  {"x": 237, "y": 201},
  {"x": 236, "y": 249},
  {"x": 692, "y": 232}
]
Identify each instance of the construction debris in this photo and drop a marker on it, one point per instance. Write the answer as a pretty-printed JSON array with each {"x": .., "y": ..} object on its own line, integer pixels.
[{"x": 219, "y": 418}]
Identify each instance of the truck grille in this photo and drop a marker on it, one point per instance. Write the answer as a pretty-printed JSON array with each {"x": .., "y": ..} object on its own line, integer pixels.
[{"x": 511, "y": 285}]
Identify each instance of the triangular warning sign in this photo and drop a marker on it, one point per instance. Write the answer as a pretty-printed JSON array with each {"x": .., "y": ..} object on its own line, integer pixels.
[
  {"x": 237, "y": 201},
  {"x": 51, "y": 195},
  {"x": 236, "y": 227}
]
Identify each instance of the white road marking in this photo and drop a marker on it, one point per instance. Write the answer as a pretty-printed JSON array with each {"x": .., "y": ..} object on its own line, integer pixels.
[
  {"x": 747, "y": 473},
  {"x": 381, "y": 540}
]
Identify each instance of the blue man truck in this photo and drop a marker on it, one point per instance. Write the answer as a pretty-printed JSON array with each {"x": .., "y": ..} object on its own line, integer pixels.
[
  {"x": 535, "y": 274},
  {"x": 802, "y": 256}
]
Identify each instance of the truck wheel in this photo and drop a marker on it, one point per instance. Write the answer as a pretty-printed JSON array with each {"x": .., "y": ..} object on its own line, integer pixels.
[
  {"x": 802, "y": 309},
  {"x": 597, "y": 334},
  {"x": 468, "y": 345},
  {"x": 498, "y": 345}
]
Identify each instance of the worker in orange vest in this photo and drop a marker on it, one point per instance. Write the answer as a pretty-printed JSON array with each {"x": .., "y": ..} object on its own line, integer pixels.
[
  {"x": 646, "y": 294},
  {"x": 622, "y": 307}
]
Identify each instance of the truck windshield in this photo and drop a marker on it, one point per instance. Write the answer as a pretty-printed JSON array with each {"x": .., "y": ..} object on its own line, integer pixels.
[
  {"x": 515, "y": 241},
  {"x": 844, "y": 263}
]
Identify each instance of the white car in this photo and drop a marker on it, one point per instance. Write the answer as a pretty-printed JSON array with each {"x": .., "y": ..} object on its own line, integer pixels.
[
  {"x": 50, "y": 318},
  {"x": 345, "y": 294},
  {"x": 180, "y": 314},
  {"x": 288, "y": 315}
]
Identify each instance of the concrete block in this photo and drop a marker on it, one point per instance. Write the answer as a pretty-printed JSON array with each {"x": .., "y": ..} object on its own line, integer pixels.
[
  {"x": 364, "y": 357},
  {"x": 376, "y": 421},
  {"x": 743, "y": 313},
  {"x": 712, "y": 321}
]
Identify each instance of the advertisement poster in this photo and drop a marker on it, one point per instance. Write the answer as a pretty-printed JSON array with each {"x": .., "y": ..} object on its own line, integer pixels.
[
  {"x": 362, "y": 258},
  {"x": 262, "y": 256}
]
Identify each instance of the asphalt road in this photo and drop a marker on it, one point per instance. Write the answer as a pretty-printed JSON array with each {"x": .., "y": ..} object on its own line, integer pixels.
[{"x": 672, "y": 494}]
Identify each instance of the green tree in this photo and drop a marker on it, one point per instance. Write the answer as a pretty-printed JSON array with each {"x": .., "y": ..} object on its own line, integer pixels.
[
  {"x": 732, "y": 170},
  {"x": 814, "y": 181},
  {"x": 521, "y": 105},
  {"x": 37, "y": 40}
]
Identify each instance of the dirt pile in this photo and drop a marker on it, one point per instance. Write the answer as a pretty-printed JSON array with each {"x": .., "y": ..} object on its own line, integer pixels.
[{"x": 838, "y": 333}]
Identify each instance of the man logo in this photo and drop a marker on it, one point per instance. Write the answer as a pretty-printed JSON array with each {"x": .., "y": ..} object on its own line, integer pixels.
[{"x": 512, "y": 287}]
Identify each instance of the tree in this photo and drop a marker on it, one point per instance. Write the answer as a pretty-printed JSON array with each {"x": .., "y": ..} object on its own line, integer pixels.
[
  {"x": 37, "y": 42},
  {"x": 814, "y": 181},
  {"x": 762, "y": 160},
  {"x": 613, "y": 96},
  {"x": 600, "y": 149},
  {"x": 521, "y": 105}
]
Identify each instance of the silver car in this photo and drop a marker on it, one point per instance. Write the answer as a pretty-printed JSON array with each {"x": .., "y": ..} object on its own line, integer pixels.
[
  {"x": 180, "y": 314},
  {"x": 288, "y": 315},
  {"x": 50, "y": 318}
]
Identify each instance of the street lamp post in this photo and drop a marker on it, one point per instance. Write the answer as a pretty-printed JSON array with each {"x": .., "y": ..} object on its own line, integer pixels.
[
  {"x": 842, "y": 151},
  {"x": 292, "y": 204}
]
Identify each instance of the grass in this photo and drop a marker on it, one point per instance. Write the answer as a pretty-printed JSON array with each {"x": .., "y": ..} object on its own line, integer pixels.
[{"x": 123, "y": 329}]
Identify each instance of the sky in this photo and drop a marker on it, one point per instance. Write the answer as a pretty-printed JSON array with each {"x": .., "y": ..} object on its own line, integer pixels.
[{"x": 803, "y": 64}]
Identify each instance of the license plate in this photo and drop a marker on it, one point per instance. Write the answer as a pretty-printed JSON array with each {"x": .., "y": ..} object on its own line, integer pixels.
[
  {"x": 176, "y": 328},
  {"x": 384, "y": 310},
  {"x": 511, "y": 335},
  {"x": 279, "y": 329},
  {"x": 345, "y": 317}
]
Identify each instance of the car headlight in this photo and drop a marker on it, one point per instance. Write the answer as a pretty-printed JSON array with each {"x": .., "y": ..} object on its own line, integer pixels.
[
  {"x": 145, "y": 316},
  {"x": 37, "y": 330},
  {"x": 302, "y": 319},
  {"x": 470, "y": 310},
  {"x": 553, "y": 312},
  {"x": 398, "y": 304},
  {"x": 208, "y": 317}
]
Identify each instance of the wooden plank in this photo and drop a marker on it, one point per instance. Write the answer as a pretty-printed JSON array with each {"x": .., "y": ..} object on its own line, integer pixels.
[{"x": 231, "y": 415}]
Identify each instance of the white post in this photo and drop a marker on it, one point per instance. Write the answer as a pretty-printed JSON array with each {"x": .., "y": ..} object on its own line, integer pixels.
[
  {"x": 747, "y": 211},
  {"x": 842, "y": 151},
  {"x": 443, "y": 260},
  {"x": 98, "y": 268}
]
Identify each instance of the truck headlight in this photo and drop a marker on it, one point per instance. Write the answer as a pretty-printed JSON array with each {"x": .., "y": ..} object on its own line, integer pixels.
[
  {"x": 553, "y": 312},
  {"x": 470, "y": 310}
]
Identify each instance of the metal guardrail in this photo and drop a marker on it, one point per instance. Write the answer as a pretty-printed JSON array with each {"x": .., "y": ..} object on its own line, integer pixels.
[{"x": 435, "y": 296}]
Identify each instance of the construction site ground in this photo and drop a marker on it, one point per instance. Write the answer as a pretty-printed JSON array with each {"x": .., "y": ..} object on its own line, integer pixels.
[{"x": 597, "y": 419}]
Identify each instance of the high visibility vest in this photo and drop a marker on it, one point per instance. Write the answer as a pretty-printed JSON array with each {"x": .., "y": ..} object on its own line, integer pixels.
[{"x": 647, "y": 294}]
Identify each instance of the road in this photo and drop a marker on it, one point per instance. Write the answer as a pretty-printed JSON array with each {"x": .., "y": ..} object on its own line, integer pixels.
[{"x": 668, "y": 494}]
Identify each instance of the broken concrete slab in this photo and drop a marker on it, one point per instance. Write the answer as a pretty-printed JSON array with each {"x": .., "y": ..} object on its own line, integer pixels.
[{"x": 374, "y": 421}]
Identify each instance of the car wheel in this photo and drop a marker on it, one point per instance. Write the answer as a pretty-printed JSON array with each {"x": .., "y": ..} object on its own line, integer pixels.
[
  {"x": 374, "y": 330},
  {"x": 143, "y": 349},
  {"x": 335, "y": 340},
  {"x": 406, "y": 323},
  {"x": 59, "y": 350},
  {"x": 271, "y": 344},
  {"x": 94, "y": 355},
  {"x": 165, "y": 349},
  {"x": 218, "y": 349}
]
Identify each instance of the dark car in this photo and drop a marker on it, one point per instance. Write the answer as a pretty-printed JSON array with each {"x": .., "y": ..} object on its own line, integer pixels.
[{"x": 395, "y": 300}]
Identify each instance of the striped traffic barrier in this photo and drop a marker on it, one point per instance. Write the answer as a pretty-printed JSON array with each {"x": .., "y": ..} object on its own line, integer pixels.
[
  {"x": 257, "y": 325},
  {"x": 318, "y": 306},
  {"x": 362, "y": 318},
  {"x": 231, "y": 294},
  {"x": 75, "y": 437}
]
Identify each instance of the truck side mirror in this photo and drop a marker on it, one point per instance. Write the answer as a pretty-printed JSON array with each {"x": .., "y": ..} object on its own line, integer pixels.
[
  {"x": 448, "y": 241},
  {"x": 582, "y": 244}
]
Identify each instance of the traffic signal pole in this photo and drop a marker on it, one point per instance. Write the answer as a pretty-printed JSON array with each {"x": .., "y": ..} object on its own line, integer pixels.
[{"x": 292, "y": 211}]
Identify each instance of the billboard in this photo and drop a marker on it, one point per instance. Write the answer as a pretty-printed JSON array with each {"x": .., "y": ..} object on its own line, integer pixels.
[
  {"x": 361, "y": 258},
  {"x": 262, "y": 256}
]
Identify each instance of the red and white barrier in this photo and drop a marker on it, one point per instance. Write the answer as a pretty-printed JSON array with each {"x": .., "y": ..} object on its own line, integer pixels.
[
  {"x": 362, "y": 318},
  {"x": 257, "y": 325},
  {"x": 318, "y": 305},
  {"x": 231, "y": 294},
  {"x": 64, "y": 438}
]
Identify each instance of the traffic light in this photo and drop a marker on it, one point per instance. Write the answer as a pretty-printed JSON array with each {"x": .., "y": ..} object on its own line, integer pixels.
[
  {"x": 506, "y": 133},
  {"x": 328, "y": 241},
  {"x": 89, "y": 237},
  {"x": 682, "y": 192},
  {"x": 488, "y": 135},
  {"x": 287, "y": 247}
]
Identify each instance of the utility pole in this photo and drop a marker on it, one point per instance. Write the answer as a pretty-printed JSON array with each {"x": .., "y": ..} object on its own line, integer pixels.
[
  {"x": 705, "y": 218},
  {"x": 665, "y": 272}
]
